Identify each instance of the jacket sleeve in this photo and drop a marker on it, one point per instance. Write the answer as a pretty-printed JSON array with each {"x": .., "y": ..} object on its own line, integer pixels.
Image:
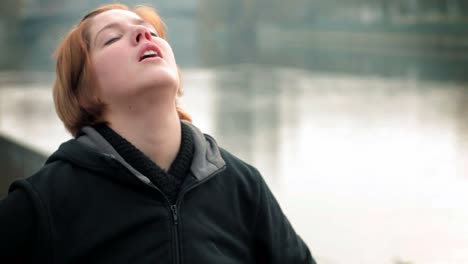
[
  {"x": 275, "y": 239},
  {"x": 16, "y": 227}
]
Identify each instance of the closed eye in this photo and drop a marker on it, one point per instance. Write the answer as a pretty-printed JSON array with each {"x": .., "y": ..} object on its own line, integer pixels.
[
  {"x": 154, "y": 34},
  {"x": 110, "y": 41}
]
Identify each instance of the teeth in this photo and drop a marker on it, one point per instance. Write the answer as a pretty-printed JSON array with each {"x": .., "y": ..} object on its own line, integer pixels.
[{"x": 150, "y": 52}]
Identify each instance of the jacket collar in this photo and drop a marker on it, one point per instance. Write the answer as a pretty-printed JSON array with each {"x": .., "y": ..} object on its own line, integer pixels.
[{"x": 206, "y": 159}]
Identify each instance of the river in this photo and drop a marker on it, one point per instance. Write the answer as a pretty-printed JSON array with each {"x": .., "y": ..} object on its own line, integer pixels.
[{"x": 368, "y": 169}]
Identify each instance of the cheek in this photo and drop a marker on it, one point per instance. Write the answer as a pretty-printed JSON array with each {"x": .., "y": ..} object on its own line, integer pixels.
[
  {"x": 168, "y": 50},
  {"x": 109, "y": 66},
  {"x": 105, "y": 62}
]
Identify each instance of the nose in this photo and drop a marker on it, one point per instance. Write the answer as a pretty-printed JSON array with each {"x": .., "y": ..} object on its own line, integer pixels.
[{"x": 140, "y": 33}]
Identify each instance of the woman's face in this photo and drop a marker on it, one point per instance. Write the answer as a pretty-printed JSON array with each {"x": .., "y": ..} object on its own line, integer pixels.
[{"x": 129, "y": 58}]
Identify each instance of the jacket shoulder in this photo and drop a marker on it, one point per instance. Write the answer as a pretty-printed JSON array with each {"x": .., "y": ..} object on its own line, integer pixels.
[
  {"x": 41, "y": 191},
  {"x": 241, "y": 174},
  {"x": 57, "y": 174},
  {"x": 235, "y": 164}
]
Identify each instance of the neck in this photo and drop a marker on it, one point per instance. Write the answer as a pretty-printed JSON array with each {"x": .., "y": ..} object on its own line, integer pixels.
[{"x": 155, "y": 131}]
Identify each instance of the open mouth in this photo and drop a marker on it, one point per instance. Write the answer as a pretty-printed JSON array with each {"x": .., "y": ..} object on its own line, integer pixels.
[{"x": 149, "y": 54}]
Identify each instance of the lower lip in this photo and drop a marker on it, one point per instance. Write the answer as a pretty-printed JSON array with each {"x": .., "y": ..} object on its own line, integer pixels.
[{"x": 151, "y": 59}]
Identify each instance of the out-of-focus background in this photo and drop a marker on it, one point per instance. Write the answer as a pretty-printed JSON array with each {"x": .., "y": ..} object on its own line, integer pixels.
[{"x": 355, "y": 111}]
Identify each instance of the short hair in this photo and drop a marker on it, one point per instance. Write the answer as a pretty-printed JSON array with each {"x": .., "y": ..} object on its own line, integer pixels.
[{"x": 76, "y": 82}]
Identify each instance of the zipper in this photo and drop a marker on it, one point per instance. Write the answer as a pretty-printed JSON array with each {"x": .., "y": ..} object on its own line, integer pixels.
[
  {"x": 175, "y": 221},
  {"x": 175, "y": 213},
  {"x": 173, "y": 207}
]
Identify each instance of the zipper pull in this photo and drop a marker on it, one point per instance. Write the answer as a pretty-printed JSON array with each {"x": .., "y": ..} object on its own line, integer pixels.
[{"x": 174, "y": 214}]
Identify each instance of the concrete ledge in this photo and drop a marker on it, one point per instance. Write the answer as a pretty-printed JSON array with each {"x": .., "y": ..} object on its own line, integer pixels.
[{"x": 16, "y": 161}]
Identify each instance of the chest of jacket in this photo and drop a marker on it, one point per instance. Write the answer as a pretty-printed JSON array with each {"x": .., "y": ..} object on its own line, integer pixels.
[{"x": 97, "y": 220}]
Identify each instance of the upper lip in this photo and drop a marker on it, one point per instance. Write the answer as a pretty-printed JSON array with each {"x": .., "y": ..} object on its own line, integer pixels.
[{"x": 149, "y": 46}]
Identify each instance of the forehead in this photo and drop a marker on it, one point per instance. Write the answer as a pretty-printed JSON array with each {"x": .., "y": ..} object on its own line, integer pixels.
[{"x": 112, "y": 16}]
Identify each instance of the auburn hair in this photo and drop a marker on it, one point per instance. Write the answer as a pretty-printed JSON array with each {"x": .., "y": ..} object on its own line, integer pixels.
[{"x": 75, "y": 83}]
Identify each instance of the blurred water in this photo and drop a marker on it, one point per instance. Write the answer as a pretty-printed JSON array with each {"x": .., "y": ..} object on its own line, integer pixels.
[{"x": 368, "y": 169}]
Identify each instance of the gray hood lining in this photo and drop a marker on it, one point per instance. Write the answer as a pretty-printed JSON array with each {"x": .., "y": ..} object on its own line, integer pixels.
[
  {"x": 206, "y": 158},
  {"x": 93, "y": 139}
]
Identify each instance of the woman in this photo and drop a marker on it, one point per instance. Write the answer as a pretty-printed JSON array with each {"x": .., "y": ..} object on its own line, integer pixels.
[{"x": 138, "y": 183}]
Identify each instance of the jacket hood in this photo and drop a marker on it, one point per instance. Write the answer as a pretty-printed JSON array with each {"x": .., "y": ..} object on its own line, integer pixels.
[{"x": 93, "y": 151}]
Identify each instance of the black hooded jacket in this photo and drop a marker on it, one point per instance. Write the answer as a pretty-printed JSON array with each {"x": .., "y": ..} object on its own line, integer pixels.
[{"x": 91, "y": 206}]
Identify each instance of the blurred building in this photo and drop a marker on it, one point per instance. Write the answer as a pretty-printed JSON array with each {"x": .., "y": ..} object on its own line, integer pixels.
[
  {"x": 393, "y": 38},
  {"x": 426, "y": 39},
  {"x": 32, "y": 29}
]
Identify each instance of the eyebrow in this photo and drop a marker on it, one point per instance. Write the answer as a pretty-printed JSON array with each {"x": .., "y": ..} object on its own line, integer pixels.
[{"x": 136, "y": 21}]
